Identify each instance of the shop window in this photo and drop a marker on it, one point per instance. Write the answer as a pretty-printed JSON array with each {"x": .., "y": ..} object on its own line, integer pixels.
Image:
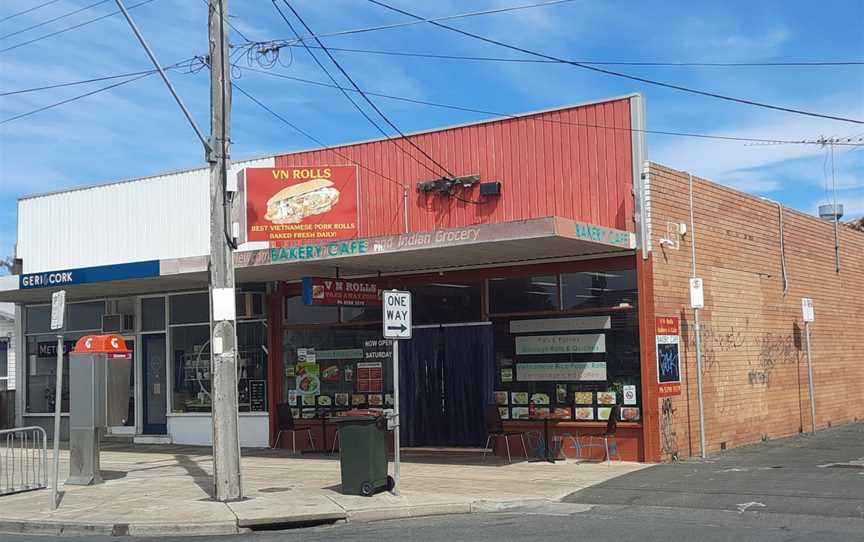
[
  {"x": 333, "y": 369},
  {"x": 37, "y": 319},
  {"x": 523, "y": 294},
  {"x": 296, "y": 312},
  {"x": 361, "y": 314},
  {"x": 189, "y": 308},
  {"x": 41, "y": 371},
  {"x": 576, "y": 368},
  {"x": 153, "y": 314},
  {"x": 4, "y": 359},
  {"x": 252, "y": 366},
  {"x": 190, "y": 354},
  {"x": 81, "y": 316},
  {"x": 599, "y": 289},
  {"x": 442, "y": 303}
]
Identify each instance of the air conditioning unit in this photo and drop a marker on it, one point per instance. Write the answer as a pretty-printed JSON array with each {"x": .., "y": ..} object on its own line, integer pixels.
[{"x": 118, "y": 323}]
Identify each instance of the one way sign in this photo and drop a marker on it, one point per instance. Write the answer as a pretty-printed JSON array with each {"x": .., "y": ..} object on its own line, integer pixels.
[{"x": 397, "y": 314}]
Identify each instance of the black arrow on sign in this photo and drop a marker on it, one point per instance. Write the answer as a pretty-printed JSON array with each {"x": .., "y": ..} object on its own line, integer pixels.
[{"x": 401, "y": 328}]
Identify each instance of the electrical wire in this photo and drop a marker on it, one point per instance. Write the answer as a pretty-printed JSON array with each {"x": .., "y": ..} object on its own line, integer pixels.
[
  {"x": 444, "y": 18},
  {"x": 54, "y": 19},
  {"x": 92, "y": 92},
  {"x": 588, "y": 62},
  {"x": 560, "y": 122},
  {"x": 311, "y": 137},
  {"x": 73, "y": 27},
  {"x": 234, "y": 28},
  {"x": 618, "y": 74},
  {"x": 28, "y": 10},
  {"x": 368, "y": 100}
]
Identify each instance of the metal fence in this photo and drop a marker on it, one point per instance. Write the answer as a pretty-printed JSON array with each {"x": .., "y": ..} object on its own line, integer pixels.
[{"x": 23, "y": 460}]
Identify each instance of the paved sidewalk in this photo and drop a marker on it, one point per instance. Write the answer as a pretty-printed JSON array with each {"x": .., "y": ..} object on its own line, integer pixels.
[{"x": 161, "y": 490}]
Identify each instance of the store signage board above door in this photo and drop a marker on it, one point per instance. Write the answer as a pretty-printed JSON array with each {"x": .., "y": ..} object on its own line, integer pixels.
[
  {"x": 327, "y": 291},
  {"x": 86, "y": 275},
  {"x": 291, "y": 205},
  {"x": 397, "y": 314}
]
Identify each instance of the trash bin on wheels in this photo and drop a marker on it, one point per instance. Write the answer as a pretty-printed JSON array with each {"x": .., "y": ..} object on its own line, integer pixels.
[{"x": 363, "y": 452}]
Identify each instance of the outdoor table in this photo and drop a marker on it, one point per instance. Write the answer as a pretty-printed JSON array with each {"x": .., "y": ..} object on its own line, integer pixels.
[{"x": 548, "y": 455}]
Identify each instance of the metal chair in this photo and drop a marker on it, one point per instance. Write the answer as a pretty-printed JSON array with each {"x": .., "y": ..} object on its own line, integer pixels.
[
  {"x": 286, "y": 424},
  {"x": 495, "y": 429},
  {"x": 606, "y": 441}
]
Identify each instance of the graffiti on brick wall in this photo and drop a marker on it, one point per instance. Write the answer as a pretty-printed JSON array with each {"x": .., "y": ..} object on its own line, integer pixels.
[
  {"x": 774, "y": 349},
  {"x": 668, "y": 437}
]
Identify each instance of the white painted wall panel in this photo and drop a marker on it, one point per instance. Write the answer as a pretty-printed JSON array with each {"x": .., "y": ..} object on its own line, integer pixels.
[
  {"x": 152, "y": 218},
  {"x": 198, "y": 430}
]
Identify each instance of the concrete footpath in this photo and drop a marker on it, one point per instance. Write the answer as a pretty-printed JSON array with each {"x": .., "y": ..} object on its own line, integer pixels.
[{"x": 158, "y": 490}]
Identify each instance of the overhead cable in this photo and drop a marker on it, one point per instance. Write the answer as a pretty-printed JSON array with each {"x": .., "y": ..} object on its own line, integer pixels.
[
  {"x": 311, "y": 137},
  {"x": 73, "y": 27},
  {"x": 687, "y": 64},
  {"x": 366, "y": 98},
  {"x": 853, "y": 141},
  {"x": 615, "y": 73},
  {"x": 28, "y": 10},
  {"x": 54, "y": 19}
]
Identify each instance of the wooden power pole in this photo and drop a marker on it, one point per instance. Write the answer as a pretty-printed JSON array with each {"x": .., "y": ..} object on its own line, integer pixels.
[{"x": 223, "y": 343}]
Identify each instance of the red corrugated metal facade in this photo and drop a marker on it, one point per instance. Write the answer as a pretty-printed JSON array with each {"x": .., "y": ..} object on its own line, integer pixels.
[{"x": 574, "y": 162}]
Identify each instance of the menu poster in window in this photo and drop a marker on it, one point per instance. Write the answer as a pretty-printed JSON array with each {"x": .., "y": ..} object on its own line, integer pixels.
[
  {"x": 370, "y": 377},
  {"x": 348, "y": 373},
  {"x": 330, "y": 372},
  {"x": 358, "y": 399},
  {"x": 257, "y": 396},
  {"x": 501, "y": 398},
  {"x": 630, "y": 394},
  {"x": 290, "y": 371},
  {"x": 561, "y": 393},
  {"x": 292, "y": 397},
  {"x": 308, "y": 379},
  {"x": 388, "y": 399},
  {"x": 341, "y": 399},
  {"x": 506, "y": 376}
]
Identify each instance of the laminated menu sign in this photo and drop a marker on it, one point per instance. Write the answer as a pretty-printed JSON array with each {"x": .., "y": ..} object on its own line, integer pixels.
[
  {"x": 257, "y": 396},
  {"x": 370, "y": 377},
  {"x": 308, "y": 379}
]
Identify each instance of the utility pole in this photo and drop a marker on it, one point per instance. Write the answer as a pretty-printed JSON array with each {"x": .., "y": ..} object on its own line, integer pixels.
[{"x": 223, "y": 344}]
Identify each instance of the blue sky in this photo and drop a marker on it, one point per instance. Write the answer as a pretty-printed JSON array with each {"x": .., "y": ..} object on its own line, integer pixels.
[{"x": 137, "y": 130}]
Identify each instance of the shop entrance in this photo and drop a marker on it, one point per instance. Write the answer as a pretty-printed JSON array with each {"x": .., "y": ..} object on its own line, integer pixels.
[
  {"x": 155, "y": 403},
  {"x": 446, "y": 379}
]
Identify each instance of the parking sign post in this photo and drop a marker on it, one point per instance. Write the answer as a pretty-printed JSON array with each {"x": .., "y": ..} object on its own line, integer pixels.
[{"x": 397, "y": 326}]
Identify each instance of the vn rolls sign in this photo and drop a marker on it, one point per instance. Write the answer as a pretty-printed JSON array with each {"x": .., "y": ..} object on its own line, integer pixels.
[{"x": 296, "y": 204}]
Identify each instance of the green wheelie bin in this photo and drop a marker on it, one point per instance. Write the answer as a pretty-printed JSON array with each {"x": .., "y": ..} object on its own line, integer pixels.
[{"x": 363, "y": 454}]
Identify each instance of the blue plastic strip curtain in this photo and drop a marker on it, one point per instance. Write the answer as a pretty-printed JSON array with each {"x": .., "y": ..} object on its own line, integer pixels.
[
  {"x": 421, "y": 419},
  {"x": 468, "y": 383}
]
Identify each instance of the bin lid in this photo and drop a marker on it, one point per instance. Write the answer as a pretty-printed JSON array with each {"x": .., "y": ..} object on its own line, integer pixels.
[{"x": 101, "y": 344}]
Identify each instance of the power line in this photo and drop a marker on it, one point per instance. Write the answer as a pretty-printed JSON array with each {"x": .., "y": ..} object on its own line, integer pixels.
[
  {"x": 312, "y": 137},
  {"x": 49, "y": 21},
  {"x": 617, "y": 74},
  {"x": 444, "y": 18},
  {"x": 838, "y": 141},
  {"x": 141, "y": 75},
  {"x": 73, "y": 27},
  {"x": 28, "y": 10},
  {"x": 366, "y": 98},
  {"x": 287, "y": 43},
  {"x": 75, "y": 98}
]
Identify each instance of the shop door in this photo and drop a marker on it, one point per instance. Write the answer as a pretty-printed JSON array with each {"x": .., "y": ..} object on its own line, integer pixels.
[
  {"x": 154, "y": 384},
  {"x": 446, "y": 378}
]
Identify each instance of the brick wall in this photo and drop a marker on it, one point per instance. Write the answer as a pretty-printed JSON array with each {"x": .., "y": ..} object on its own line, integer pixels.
[{"x": 754, "y": 360}]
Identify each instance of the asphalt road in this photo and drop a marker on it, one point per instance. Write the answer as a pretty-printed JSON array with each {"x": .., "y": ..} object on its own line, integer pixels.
[{"x": 803, "y": 488}]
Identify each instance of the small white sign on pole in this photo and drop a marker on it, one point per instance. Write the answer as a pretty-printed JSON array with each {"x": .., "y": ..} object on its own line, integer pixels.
[
  {"x": 807, "y": 309},
  {"x": 58, "y": 309},
  {"x": 697, "y": 294},
  {"x": 397, "y": 314}
]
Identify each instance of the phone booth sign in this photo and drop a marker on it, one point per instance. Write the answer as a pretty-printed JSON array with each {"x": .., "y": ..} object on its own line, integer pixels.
[{"x": 89, "y": 408}]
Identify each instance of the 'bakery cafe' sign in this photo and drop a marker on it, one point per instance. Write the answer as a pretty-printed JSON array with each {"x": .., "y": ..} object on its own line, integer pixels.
[
  {"x": 301, "y": 203},
  {"x": 326, "y": 291}
]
